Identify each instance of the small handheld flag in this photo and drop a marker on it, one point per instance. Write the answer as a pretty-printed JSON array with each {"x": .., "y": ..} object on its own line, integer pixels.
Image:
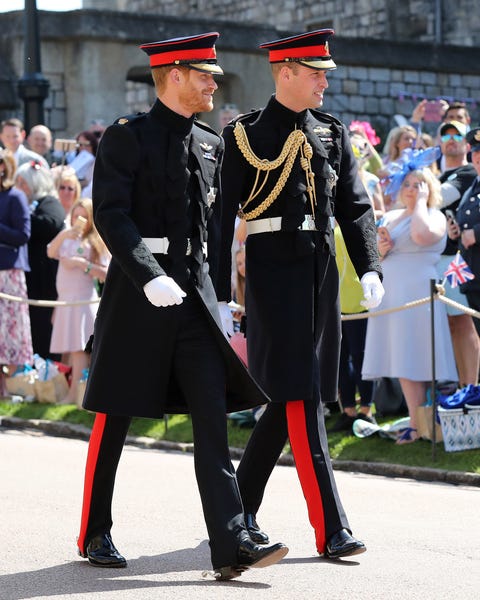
[{"x": 458, "y": 271}]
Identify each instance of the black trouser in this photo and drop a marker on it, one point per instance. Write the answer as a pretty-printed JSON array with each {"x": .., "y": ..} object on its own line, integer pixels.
[
  {"x": 303, "y": 423},
  {"x": 41, "y": 326},
  {"x": 351, "y": 360},
  {"x": 198, "y": 368}
]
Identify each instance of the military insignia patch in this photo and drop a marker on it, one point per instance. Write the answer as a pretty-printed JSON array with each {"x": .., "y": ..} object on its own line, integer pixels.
[
  {"x": 323, "y": 133},
  {"x": 122, "y": 121},
  {"x": 212, "y": 194},
  {"x": 206, "y": 151},
  {"x": 321, "y": 130}
]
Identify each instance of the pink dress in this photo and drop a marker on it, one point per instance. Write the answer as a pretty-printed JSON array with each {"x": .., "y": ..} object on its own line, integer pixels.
[{"x": 73, "y": 325}]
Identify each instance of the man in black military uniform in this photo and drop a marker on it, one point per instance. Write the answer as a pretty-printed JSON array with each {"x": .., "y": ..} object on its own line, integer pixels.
[
  {"x": 456, "y": 179},
  {"x": 158, "y": 345},
  {"x": 466, "y": 228},
  {"x": 290, "y": 168}
]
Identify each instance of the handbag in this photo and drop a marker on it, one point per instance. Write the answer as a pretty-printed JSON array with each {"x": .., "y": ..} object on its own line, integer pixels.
[{"x": 388, "y": 397}]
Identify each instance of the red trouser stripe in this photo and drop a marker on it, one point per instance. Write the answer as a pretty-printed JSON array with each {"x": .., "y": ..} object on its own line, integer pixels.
[
  {"x": 297, "y": 432},
  {"x": 92, "y": 457}
]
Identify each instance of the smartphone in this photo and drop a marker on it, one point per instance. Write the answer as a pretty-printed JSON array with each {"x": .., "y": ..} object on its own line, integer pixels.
[
  {"x": 64, "y": 145},
  {"x": 450, "y": 216},
  {"x": 433, "y": 111}
]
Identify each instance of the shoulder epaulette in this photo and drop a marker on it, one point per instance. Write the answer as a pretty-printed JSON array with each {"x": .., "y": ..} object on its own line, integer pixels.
[
  {"x": 246, "y": 117},
  {"x": 249, "y": 117},
  {"x": 205, "y": 127},
  {"x": 130, "y": 118},
  {"x": 325, "y": 116}
]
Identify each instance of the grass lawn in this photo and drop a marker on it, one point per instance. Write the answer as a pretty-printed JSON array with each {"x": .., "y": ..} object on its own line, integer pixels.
[{"x": 342, "y": 445}]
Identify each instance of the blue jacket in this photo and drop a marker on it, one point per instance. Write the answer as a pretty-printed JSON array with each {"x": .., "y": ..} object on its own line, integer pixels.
[{"x": 14, "y": 230}]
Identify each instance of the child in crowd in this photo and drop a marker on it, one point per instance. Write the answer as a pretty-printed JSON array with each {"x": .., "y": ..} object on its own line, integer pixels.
[{"x": 83, "y": 258}]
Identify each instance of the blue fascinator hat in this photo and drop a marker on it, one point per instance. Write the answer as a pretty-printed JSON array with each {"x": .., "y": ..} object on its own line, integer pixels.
[{"x": 410, "y": 160}]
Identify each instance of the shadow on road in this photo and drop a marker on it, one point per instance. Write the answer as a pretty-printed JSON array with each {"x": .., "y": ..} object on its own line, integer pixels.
[
  {"x": 320, "y": 559},
  {"x": 78, "y": 577}
]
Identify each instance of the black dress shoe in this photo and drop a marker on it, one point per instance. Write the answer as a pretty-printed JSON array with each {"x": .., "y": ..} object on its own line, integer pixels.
[
  {"x": 256, "y": 534},
  {"x": 343, "y": 544},
  {"x": 102, "y": 553},
  {"x": 343, "y": 423},
  {"x": 250, "y": 554}
]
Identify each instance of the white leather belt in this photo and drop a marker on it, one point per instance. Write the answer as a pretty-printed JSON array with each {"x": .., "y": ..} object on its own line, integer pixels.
[
  {"x": 275, "y": 224},
  {"x": 160, "y": 246}
]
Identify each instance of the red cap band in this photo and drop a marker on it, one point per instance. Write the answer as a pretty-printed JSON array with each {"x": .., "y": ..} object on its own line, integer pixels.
[
  {"x": 169, "y": 58},
  {"x": 304, "y": 52}
]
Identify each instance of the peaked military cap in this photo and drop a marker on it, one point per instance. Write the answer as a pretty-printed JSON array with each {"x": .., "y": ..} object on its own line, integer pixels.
[
  {"x": 195, "y": 52},
  {"x": 309, "y": 49},
  {"x": 473, "y": 138}
]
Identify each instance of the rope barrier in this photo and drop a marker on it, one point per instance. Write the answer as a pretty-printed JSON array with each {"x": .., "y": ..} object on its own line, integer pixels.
[
  {"x": 438, "y": 296},
  {"x": 385, "y": 311},
  {"x": 47, "y": 303},
  {"x": 465, "y": 309},
  {"x": 351, "y": 317}
]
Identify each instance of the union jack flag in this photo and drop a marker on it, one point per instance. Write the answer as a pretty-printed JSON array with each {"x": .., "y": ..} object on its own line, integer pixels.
[{"x": 458, "y": 271}]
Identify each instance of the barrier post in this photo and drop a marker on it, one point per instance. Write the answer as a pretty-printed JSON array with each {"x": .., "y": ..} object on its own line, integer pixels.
[{"x": 433, "y": 290}]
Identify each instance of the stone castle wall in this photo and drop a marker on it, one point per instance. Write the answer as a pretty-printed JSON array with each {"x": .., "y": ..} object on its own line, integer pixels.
[
  {"x": 442, "y": 21},
  {"x": 95, "y": 69}
]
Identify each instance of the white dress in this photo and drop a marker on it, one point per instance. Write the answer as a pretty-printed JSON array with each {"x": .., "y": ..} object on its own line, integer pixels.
[{"x": 398, "y": 344}]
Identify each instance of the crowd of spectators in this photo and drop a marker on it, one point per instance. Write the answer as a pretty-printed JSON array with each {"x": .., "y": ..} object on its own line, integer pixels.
[
  {"x": 435, "y": 195},
  {"x": 46, "y": 183},
  {"x": 41, "y": 187}
]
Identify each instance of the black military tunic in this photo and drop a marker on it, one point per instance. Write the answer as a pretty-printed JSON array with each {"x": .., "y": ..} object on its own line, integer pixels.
[
  {"x": 288, "y": 299},
  {"x": 156, "y": 175}
]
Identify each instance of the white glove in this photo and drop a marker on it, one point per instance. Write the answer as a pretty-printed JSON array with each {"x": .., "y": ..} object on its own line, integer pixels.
[
  {"x": 372, "y": 290},
  {"x": 163, "y": 291},
  {"x": 227, "y": 319}
]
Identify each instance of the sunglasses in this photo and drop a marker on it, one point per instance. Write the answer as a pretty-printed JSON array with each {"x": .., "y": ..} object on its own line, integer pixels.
[
  {"x": 451, "y": 136},
  {"x": 67, "y": 187},
  {"x": 83, "y": 144}
]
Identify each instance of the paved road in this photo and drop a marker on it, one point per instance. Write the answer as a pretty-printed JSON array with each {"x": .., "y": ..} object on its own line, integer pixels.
[{"x": 423, "y": 538}]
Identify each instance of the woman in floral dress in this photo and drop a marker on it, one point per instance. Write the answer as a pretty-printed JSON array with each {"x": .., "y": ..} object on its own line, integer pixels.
[{"x": 15, "y": 333}]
